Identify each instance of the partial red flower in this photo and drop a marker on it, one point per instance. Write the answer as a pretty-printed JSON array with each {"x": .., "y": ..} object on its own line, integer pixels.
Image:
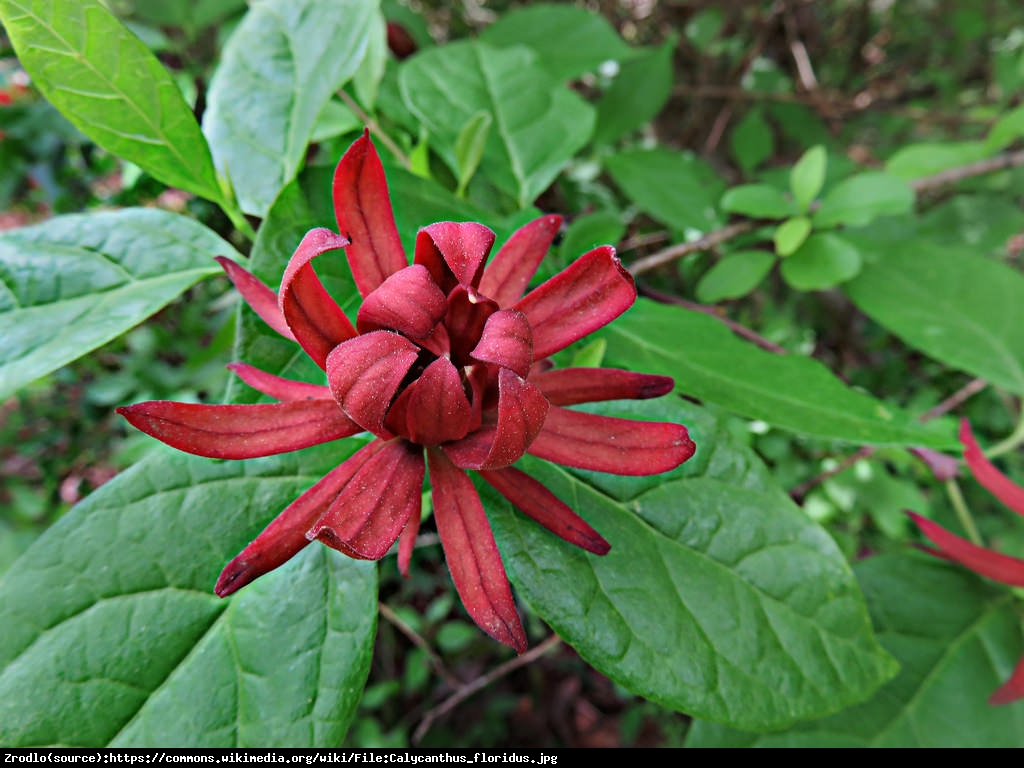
[
  {"x": 447, "y": 367},
  {"x": 986, "y": 562}
]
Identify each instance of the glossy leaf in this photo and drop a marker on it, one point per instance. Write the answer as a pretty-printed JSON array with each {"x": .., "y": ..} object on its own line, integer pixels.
[
  {"x": 956, "y": 639},
  {"x": 469, "y": 147},
  {"x": 1007, "y": 130},
  {"x": 759, "y": 201},
  {"x": 916, "y": 161},
  {"x": 112, "y": 614},
  {"x": 673, "y": 187},
  {"x": 538, "y": 125},
  {"x": 791, "y": 234},
  {"x": 788, "y": 391},
  {"x": 279, "y": 68},
  {"x": 117, "y": 93},
  {"x": 718, "y": 597},
  {"x": 807, "y": 176},
  {"x": 568, "y": 40},
  {"x": 858, "y": 200},
  {"x": 823, "y": 261},
  {"x": 737, "y": 274},
  {"x": 958, "y": 307},
  {"x": 76, "y": 282},
  {"x": 636, "y": 95},
  {"x": 752, "y": 141}
]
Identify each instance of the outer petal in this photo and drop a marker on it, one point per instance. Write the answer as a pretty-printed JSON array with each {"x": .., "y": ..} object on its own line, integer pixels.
[
  {"x": 438, "y": 410},
  {"x": 998, "y": 484},
  {"x": 262, "y": 299},
  {"x": 407, "y": 542},
  {"x": 409, "y": 302},
  {"x": 286, "y": 535},
  {"x": 506, "y": 277},
  {"x": 370, "y": 512},
  {"x": 507, "y": 341},
  {"x": 1002, "y": 568},
  {"x": 606, "y": 444},
  {"x": 521, "y": 413},
  {"x": 472, "y": 555},
  {"x": 315, "y": 318},
  {"x": 585, "y": 296},
  {"x": 241, "y": 431},
  {"x": 454, "y": 252},
  {"x": 464, "y": 321},
  {"x": 277, "y": 387},
  {"x": 363, "y": 210},
  {"x": 1012, "y": 689},
  {"x": 365, "y": 372},
  {"x": 569, "y": 386},
  {"x": 534, "y": 500}
]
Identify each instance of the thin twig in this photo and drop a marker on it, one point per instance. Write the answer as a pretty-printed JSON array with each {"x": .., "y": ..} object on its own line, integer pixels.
[
  {"x": 678, "y": 251},
  {"x": 973, "y": 387},
  {"x": 435, "y": 661},
  {"x": 375, "y": 128},
  {"x": 980, "y": 168},
  {"x": 479, "y": 683}
]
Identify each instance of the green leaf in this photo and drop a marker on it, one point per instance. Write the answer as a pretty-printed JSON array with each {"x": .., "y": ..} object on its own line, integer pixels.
[
  {"x": 109, "y": 85},
  {"x": 916, "y": 161},
  {"x": 636, "y": 95},
  {"x": 673, "y": 187},
  {"x": 984, "y": 222},
  {"x": 787, "y": 391},
  {"x": 956, "y": 639},
  {"x": 752, "y": 141},
  {"x": 807, "y": 176},
  {"x": 858, "y": 200},
  {"x": 736, "y": 275},
  {"x": 954, "y": 305},
  {"x": 1007, "y": 130},
  {"x": 112, "y": 634},
  {"x": 538, "y": 125},
  {"x": 719, "y": 597},
  {"x": 791, "y": 234},
  {"x": 366, "y": 79},
  {"x": 281, "y": 65},
  {"x": 569, "y": 41},
  {"x": 704, "y": 27},
  {"x": 759, "y": 201},
  {"x": 469, "y": 148},
  {"x": 823, "y": 261},
  {"x": 335, "y": 119},
  {"x": 73, "y": 283},
  {"x": 589, "y": 231}
]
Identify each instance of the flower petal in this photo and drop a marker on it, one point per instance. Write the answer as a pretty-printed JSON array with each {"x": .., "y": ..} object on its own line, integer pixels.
[
  {"x": 277, "y": 387},
  {"x": 262, "y": 299},
  {"x": 521, "y": 413},
  {"x": 286, "y": 534},
  {"x": 606, "y": 444},
  {"x": 534, "y": 500},
  {"x": 472, "y": 554},
  {"x": 465, "y": 319},
  {"x": 1012, "y": 689},
  {"x": 363, "y": 210},
  {"x": 998, "y": 484},
  {"x": 365, "y": 372},
  {"x": 506, "y": 277},
  {"x": 241, "y": 431},
  {"x": 409, "y": 302},
  {"x": 454, "y": 252},
  {"x": 1002, "y": 568},
  {"x": 569, "y": 386},
  {"x": 585, "y": 296},
  {"x": 942, "y": 467},
  {"x": 438, "y": 410},
  {"x": 315, "y": 318},
  {"x": 407, "y": 543},
  {"x": 368, "y": 515},
  {"x": 506, "y": 340}
]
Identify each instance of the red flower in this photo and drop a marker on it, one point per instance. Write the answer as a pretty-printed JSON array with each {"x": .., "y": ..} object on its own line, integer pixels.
[
  {"x": 993, "y": 565},
  {"x": 447, "y": 357}
]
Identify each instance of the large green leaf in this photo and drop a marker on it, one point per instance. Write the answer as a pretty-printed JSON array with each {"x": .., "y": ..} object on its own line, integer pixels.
[
  {"x": 537, "y": 124},
  {"x": 956, "y": 639},
  {"x": 279, "y": 68},
  {"x": 636, "y": 95},
  {"x": 789, "y": 391},
  {"x": 859, "y": 199},
  {"x": 961, "y": 308},
  {"x": 112, "y": 634},
  {"x": 569, "y": 41},
  {"x": 73, "y": 283},
  {"x": 719, "y": 597},
  {"x": 673, "y": 187},
  {"x": 106, "y": 82}
]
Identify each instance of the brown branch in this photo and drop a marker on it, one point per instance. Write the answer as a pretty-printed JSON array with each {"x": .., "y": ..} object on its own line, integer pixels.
[
  {"x": 980, "y": 168},
  {"x": 479, "y": 683},
  {"x": 435, "y": 661},
  {"x": 971, "y": 388},
  {"x": 708, "y": 241},
  {"x": 375, "y": 129}
]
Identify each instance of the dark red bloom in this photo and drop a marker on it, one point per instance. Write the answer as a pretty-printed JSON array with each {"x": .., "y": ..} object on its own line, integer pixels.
[
  {"x": 986, "y": 562},
  {"x": 447, "y": 358}
]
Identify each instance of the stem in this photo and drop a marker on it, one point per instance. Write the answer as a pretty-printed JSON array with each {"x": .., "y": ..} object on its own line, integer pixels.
[
  {"x": 240, "y": 222},
  {"x": 1009, "y": 443},
  {"x": 962, "y": 512},
  {"x": 375, "y": 128}
]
